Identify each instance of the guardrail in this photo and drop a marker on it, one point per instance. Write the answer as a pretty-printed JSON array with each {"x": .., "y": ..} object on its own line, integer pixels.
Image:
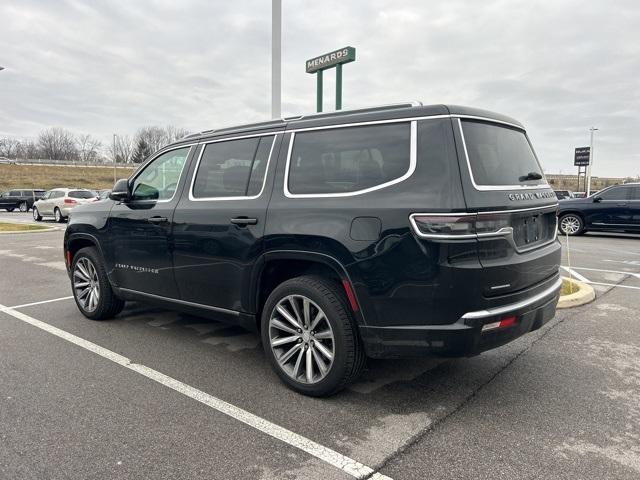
[{"x": 67, "y": 163}]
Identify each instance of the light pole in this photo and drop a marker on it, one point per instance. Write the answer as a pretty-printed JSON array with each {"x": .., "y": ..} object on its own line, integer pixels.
[
  {"x": 276, "y": 58},
  {"x": 114, "y": 158},
  {"x": 591, "y": 157}
]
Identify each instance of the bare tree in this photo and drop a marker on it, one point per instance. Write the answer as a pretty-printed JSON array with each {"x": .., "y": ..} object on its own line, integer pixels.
[
  {"x": 121, "y": 149},
  {"x": 88, "y": 148},
  {"x": 156, "y": 137},
  {"x": 9, "y": 147},
  {"x": 28, "y": 149},
  {"x": 57, "y": 144},
  {"x": 175, "y": 133}
]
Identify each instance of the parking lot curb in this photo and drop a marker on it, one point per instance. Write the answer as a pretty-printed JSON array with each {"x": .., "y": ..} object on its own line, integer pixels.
[
  {"x": 585, "y": 294},
  {"x": 42, "y": 230}
]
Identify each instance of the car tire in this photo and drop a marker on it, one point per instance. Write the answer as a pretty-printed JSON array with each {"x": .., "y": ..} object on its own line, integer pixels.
[
  {"x": 92, "y": 291},
  {"x": 36, "y": 214},
  {"x": 571, "y": 224},
  {"x": 57, "y": 214},
  {"x": 23, "y": 207},
  {"x": 10, "y": 209},
  {"x": 332, "y": 346}
]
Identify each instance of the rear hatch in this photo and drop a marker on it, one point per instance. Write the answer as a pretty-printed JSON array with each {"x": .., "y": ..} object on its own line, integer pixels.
[{"x": 516, "y": 221}]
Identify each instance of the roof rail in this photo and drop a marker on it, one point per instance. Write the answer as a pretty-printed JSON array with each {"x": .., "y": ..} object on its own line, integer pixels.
[{"x": 373, "y": 108}]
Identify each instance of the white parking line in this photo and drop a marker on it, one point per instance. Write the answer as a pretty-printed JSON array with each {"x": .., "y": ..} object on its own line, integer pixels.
[
  {"x": 346, "y": 464},
  {"x": 633, "y": 274},
  {"x": 615, "y": 285},
  {"x": 575, "y": 274},
  {"x": 37, "y": 303}
]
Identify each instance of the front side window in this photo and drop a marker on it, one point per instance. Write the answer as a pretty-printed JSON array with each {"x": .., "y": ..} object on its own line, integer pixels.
[
  {"x": 159, "y": 179},
  {"x": 349, "y": 159},
  {"x": 500, "y": 155},
  {"x": 233, "y": 168},
  {"x": 614, "y": 193},
  {"x": 14, "y": 193}
]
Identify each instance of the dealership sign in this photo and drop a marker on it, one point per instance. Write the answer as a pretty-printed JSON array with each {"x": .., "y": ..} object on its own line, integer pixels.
[
  {"x": 331, "y": 59},
  {"x": 582, "y": 156}
]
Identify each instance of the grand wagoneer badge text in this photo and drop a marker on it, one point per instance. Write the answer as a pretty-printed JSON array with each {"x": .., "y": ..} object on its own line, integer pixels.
[{"x": 531, "y": 196}]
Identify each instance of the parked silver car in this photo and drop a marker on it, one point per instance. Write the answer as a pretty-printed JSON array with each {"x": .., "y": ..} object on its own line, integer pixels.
[{"x": 60, "y": 201}]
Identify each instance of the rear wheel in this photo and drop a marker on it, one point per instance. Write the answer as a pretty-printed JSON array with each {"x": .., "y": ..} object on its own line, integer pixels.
[
  {"x": 57, "y": 214},
  {"x": 11, "y": 209},
  {"x": 571, "y": 224},
  {"x": 36, "y": 214},
  {"x": 91, "y": 288},
  {"x": 23, "y": 207},
  {"x": 310, "y": 337}
]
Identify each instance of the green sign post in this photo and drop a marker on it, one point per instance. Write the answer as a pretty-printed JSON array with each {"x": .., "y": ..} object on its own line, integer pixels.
[{"x": 321, "y": 63}]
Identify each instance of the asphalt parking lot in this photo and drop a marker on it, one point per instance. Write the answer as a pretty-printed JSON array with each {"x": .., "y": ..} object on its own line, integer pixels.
[{"x": 156, "y": 394}]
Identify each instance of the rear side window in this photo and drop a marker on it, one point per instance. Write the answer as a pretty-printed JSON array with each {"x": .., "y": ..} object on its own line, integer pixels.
[
  {"x": 349, "y": 159},
  {"x": 615, "y": 193},
  {"x": 81, "y": 194},
  {"x": 234, "y": 168},
  {"x": 500, "y": 155},
  {"x": 14, "y": 193}
]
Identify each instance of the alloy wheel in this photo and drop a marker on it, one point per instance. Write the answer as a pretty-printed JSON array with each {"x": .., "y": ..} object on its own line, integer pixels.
[
  {"x": 301, "y": 339},
  {"x": 58, "y": 215},
  {"x": 570, "y": 224},
  {"x": 23, "y": 207},
  {"x": 86, "y": 284}
]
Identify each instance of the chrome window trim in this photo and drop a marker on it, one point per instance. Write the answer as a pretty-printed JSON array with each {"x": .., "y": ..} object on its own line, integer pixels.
[
  {"x": 490, "y": 312},
  {"x": 413, "y": 161},
  {"x": 150, "y": 161},
  {"x": 238, "y": 197},
  {"x": 496, "y": 187}
]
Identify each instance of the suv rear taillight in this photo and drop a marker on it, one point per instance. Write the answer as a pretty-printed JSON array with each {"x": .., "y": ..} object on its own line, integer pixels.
[
  {"x": 460, "y": 226},
  {"x": 70, "y": 201}
]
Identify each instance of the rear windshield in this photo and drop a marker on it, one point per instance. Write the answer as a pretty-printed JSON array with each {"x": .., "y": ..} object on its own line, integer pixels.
[
  {"x": 81, "y": 194},
  {"x": 500, "y": 156}
]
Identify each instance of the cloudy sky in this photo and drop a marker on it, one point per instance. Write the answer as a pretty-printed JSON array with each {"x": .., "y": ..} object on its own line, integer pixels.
[{"x": 112, "y": 66}]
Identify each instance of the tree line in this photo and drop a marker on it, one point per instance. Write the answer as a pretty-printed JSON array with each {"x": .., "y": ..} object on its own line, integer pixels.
[{"x": 60, "y": 144}]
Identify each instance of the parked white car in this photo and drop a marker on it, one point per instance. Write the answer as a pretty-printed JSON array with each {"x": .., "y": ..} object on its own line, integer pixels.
[{"x": 59, "y": 202}]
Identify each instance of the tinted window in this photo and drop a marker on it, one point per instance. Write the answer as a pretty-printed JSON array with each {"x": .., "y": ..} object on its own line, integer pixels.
[
  {"x": 499, "y": 155},
  {"x": 349, "y": 159},
  {"x": 14, "y": 193},
  {"x": 159, "y": 179},
  {"x": 614, "y": 193},
  {"x": 57, "y": 194},
  {"x": 635, "y": 192},
  {"x": 81, "y": 194},
  {"x": 232, "y": 169}
]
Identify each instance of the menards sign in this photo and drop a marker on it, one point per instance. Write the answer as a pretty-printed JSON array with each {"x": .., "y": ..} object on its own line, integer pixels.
[{"x": 331, "y": 59}]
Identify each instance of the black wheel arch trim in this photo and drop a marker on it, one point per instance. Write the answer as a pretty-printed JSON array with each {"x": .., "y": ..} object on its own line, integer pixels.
[{"x": 294, "y": 254}]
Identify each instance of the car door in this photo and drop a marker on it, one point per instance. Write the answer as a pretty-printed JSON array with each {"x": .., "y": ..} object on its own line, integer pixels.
[
  {"x": 220, "y": 220},
  {"x": 610, "y": 208},
  {"x": 634, "y": 207},
  {"x": 139, "y": 229},
  {"x": 5, "y": 201}
]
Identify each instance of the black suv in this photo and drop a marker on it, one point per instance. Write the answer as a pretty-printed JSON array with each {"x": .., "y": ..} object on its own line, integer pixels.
[
  {"x": 23, "y": 200},
  {"x": 615, "y": 208},
  {"x": 385, "y": 232}
]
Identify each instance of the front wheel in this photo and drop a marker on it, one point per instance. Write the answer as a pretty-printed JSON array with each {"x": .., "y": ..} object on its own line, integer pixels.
[
  {"x": 11, "y": 209},
  {"x": 23, "y": 207},
  {"x": 310, "y": 337},
  {"x": 57, "y": 214},
  {"x": 571, "y": 224},
  {"x": 91, "y": 288},
  {"x": 36, "y": 214}
]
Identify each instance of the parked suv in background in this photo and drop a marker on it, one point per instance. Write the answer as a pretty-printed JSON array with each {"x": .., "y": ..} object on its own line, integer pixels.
[
  {"x": 387, "y": 232},
  {"x": 616, "y": 208},
  {"x": 59, "y": 202},
  {"x": 22, "y": 199}
]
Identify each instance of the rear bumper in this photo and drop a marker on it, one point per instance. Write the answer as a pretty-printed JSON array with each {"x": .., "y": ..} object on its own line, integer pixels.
[{"x": 464, "y": 337}]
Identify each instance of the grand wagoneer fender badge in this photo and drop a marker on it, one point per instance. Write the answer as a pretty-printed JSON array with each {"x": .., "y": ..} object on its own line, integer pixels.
[{"x": 530, "y": 196}]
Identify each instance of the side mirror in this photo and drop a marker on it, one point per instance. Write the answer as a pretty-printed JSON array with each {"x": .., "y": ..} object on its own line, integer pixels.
[
  {"x": 120, "y": 191},
  {"x": 597, "y": 199}
]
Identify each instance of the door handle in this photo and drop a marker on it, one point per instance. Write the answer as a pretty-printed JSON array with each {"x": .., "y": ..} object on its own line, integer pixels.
[
  {"x": 158, "y": 219},
  {"x": 243, "y": 221}
]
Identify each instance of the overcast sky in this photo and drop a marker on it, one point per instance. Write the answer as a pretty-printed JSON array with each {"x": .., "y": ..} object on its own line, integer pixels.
[{"x": 106, "y": 66}]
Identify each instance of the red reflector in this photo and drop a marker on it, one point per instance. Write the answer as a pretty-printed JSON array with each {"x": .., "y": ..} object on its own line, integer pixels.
[
  {"x": 504, "y": 323},
  {"x": 69, "y": 200},
  {"x": 68, "y": 257},
  {"x": 350, "y": 295},
  {"x": 507, "y": 322}
]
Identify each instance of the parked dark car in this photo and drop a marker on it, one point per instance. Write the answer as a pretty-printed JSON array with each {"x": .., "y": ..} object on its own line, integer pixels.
[
  {"x": 384, "y": 232},
  {"x": 615, "y": 208},
  {"x": 562, "y": 194},
  {"x": 20, "y": 198}
]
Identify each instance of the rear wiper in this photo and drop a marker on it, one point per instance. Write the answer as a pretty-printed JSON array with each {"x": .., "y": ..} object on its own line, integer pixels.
[{"x": 530, "y": 176}]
